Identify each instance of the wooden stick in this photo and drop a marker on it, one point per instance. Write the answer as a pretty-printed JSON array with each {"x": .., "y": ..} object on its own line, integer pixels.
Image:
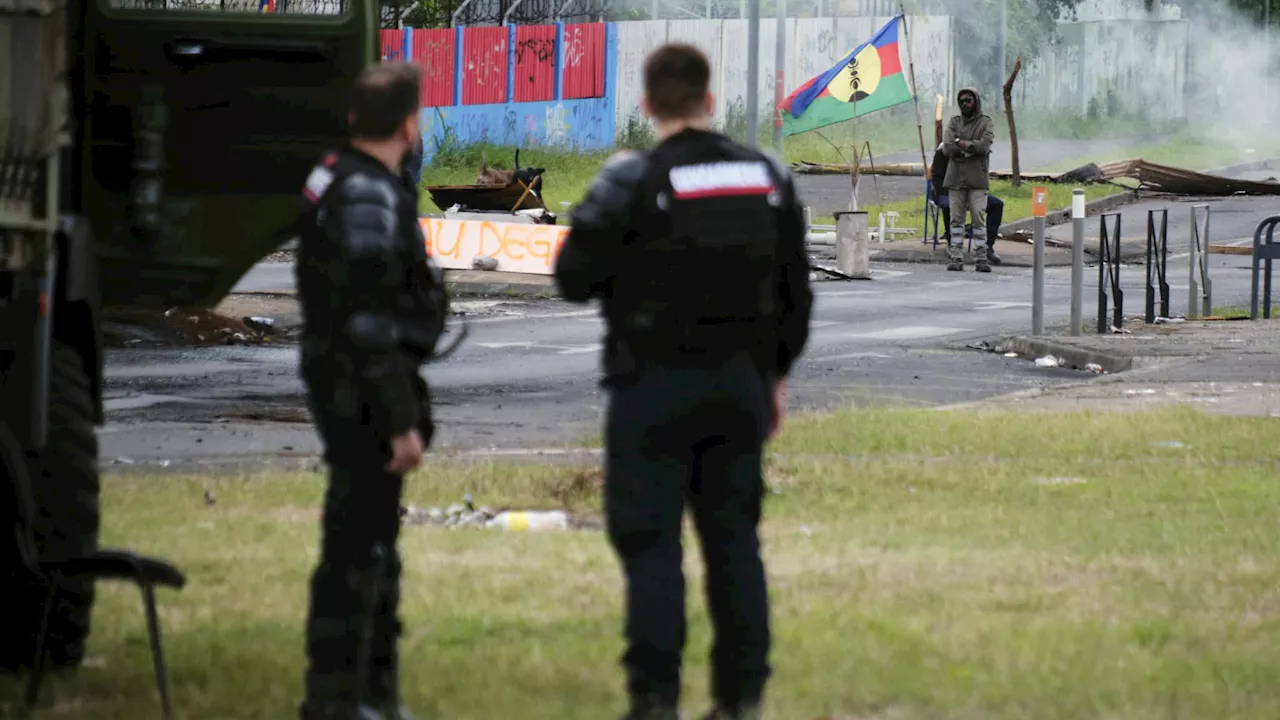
[
  {"x": 911, "y": 69},
  {"x": 1013, "y": 129}
]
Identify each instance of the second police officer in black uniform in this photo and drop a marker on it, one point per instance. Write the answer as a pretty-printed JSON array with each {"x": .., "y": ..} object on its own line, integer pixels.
[
  {"x": 374, "y": 307},
  {"x": 696, "y": 250}
]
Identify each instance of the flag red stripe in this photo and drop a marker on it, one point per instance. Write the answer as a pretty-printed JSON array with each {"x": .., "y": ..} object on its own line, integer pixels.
[{"x": 890, "y": 62}]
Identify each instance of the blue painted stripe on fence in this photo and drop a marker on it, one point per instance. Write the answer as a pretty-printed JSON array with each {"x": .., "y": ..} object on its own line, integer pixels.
[
  {"x": 457, "y": 65},
  {"x": 511, "y": 63},
  {"x": 611, "y": 80},
  {"x": 559, "y": 74}
]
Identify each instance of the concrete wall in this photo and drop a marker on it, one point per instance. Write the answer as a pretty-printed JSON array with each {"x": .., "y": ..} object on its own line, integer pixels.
[
  {"x": 1112, "y": 67},
  {"x": 813, "y": 46}
]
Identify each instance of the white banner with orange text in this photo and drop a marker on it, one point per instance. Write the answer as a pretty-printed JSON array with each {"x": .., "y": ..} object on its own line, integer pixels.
[{"x": 518, "y": 247}]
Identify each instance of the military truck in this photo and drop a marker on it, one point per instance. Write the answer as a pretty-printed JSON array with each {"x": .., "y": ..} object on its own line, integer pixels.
[{"x": 151, "y": 151}]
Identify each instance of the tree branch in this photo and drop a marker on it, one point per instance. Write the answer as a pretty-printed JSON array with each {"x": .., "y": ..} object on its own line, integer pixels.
[{"x": 1013, "y": 128}]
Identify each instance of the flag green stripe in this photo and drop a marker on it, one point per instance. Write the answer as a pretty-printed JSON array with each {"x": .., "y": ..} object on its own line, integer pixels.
[{"x": 827, "y": 110}]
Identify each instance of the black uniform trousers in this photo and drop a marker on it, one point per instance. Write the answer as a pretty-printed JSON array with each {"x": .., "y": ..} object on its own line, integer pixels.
[
  {"x": 355, "y": 589},
  {"x": 695, "y": 434}
]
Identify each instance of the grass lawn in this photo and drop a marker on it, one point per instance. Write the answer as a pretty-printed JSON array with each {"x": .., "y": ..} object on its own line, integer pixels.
[{"x": 924, "y": 564}]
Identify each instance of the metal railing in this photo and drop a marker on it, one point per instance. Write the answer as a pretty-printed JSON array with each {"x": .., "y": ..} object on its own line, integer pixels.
[
  {"x": 1109, "y": 273},
  {"x": 1199, "y": 290},
  {"x": 1157, "y": 263},
  {"x": 1263, "y": 253}
]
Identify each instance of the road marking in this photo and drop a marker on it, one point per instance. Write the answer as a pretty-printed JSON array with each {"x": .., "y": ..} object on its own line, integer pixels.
[
  {"x": 500, "y": 345},
  {"x": 890, "y": 273},
  {"x": 850, "y": 356},
  {"x": 907, "y": 332},
  {"x": 562, "y": 349},
  {"x": 834, "y": 293},
  {"x": 532, "y": 316},
  {"x": 578, "y": 349},
  {"x": 1001, "y": 305}
]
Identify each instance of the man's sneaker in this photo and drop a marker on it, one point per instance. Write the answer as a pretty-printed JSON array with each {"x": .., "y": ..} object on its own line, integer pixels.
[
  {"x": 982, "y": 266},
  {"x": 647, "y": 709},
  {"x": 745, "y": 713},
  {"x": 398, "y": 712},
  {"x": 339, "y": 711}
]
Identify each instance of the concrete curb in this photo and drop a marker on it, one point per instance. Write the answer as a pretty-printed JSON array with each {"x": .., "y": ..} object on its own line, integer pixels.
[
  {"x": 1059, "y": 217},
  {"x": 940, "y": 256},
  {"x": 1076, "y": 357},
  {"x": 476, "y": 283}
]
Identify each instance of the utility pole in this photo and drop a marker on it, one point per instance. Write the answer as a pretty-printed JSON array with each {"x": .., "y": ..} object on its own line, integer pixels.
[
  {"x": 780, "y": 76},
  {"x": 753, "y": 74}
]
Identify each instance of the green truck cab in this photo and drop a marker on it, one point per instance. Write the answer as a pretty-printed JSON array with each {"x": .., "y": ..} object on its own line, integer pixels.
[{"x": 151, "y": 151}]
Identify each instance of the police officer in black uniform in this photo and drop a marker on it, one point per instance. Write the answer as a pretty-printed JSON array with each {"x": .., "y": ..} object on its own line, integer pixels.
[
  {"x": 696, "y": 250},
  {"x": 373, "y": 310}
]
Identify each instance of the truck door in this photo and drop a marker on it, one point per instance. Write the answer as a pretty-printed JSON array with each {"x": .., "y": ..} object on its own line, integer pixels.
[{"x": 198, "y": 122}]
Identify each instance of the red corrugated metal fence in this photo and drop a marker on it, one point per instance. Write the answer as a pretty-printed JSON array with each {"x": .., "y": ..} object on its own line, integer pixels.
[
  {"x": 392, "y": 45},
  {"x": 433, "y": 52},
  {"x": 584, "y": 51},
  {"x": 535, "y": 63},
  {"x": 484, "y": 65}
]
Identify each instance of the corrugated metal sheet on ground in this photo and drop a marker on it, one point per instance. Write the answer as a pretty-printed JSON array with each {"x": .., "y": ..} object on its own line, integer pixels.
[
  {"x": 392, "y": 45},
  {"x": 584, "y": 57},
  {"x": 484, "y": 65},
  {"x": 535, "y": 63},
  {"x": 433, "y": 52}
]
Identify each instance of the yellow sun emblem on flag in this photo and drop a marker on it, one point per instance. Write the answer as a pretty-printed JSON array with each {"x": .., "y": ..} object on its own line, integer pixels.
[{"x": 858, "y": 79}]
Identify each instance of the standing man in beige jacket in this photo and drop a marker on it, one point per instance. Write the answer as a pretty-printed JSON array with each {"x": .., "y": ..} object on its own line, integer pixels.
[{"x": 967, "y": 142}]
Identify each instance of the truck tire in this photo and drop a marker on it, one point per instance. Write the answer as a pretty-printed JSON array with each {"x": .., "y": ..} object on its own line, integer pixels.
[{"x": 66, "y": 491}]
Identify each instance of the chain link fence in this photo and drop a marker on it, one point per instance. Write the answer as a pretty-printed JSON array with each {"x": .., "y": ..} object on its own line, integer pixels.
[{"x": 299, "y": 7}]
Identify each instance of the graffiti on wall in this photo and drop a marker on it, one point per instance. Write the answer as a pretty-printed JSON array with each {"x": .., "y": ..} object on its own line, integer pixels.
[{"x": 567, "y": 124}]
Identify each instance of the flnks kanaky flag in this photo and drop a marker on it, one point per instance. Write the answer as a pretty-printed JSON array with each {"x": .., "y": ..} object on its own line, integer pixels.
[{"x": 867, "y": 79}]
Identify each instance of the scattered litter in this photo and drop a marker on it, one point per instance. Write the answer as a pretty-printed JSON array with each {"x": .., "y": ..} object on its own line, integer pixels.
[
  {"x": 467, "y": 515},
  {"x": 1163, "y": 320},
  {"x": 1257, "y": 384},
  {"x": 806, "y": 531},
  {"x": 123, "y": 461},
  {"x": 1049, "y": 361},
  {"x": 1145, "y": 391},
  {"x": 1061, "y": 481},
  {"x": 1168, "y": 444},
  {"x": 1120, "y": 331},
  {"x": 530, "y": 520},
  {"x": 1095, "y": 368},
  {"x": 1011, "y": 354},
  {"x": 261, "y": 324}
]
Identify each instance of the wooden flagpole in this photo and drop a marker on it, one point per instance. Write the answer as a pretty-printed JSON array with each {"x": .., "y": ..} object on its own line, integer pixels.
[{"x": 911, "y": 68}]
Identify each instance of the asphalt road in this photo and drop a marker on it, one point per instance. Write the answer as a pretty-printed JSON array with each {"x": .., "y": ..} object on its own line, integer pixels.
[{"x": 527, "y": 377}]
